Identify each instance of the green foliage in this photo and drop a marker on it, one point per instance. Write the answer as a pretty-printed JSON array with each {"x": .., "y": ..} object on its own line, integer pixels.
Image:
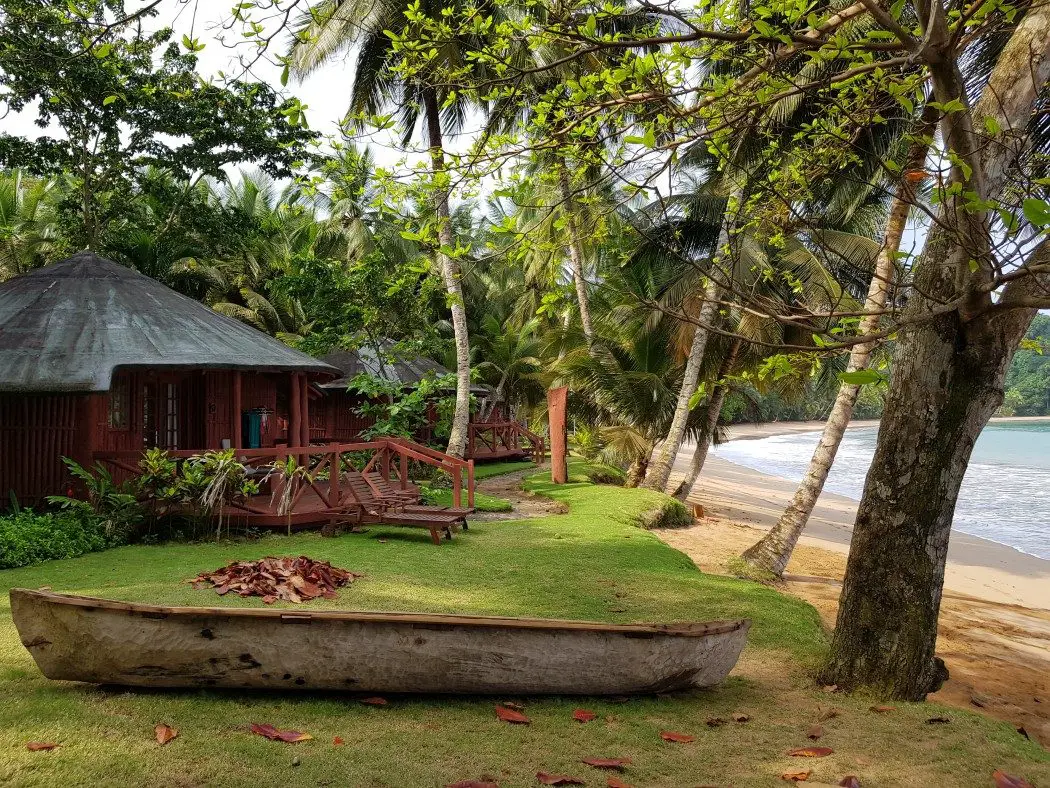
[
  {"x": 1028, "y": 381},
  {"x": 28, "y": 537},
  {"x": 401, "y": 410},
  {"x": 132, "y": 101},
  {"x": 112, "y": 507}
]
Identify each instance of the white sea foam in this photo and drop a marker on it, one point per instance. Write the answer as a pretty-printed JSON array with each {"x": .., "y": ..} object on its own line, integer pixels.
[{"x": 1005, "y": 496}]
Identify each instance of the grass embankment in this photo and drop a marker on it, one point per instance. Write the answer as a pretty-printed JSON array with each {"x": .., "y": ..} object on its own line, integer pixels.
[{"x": 592, "y": 563}]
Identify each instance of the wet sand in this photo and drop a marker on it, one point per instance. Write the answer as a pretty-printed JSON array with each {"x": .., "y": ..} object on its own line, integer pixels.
[{"x": 976, "y": 567}]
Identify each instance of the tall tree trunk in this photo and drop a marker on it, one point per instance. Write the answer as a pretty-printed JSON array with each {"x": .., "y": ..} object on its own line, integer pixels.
[
  {"x": 575, "y": 251},
  {"x": 773, "y": 551},
  {"x": 707, "y": 435},
  {"x": 948, "y": 379},
  {"x": 450, "y": 274},
  {"x": 660, "y": 471}
]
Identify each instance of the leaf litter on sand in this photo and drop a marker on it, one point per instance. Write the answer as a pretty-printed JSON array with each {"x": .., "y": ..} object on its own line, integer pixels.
[
  {"x": 796, "y": 777},
  {"x": 289, "y": 579}
]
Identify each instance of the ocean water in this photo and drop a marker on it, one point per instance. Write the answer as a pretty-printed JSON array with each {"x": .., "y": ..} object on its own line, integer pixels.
[{"x": 1005, "y": 494}]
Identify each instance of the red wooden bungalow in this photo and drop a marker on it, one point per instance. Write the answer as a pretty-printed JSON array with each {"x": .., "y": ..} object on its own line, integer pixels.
[
  {"x": 98, "y": 363},
  {"x": 497, "y": 437}
]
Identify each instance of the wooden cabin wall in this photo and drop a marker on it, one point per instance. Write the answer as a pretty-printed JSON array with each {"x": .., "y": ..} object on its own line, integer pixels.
[
  {"x": 342, "y": 422},
  {"x": 36, "y": 431}
]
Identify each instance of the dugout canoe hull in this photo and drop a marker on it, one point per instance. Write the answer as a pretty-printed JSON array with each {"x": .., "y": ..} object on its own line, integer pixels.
[{"x": 105, "y": 642}]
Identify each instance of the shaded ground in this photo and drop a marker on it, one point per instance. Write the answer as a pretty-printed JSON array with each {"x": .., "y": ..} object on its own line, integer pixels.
[
  {"x": 998, "y": 654},
  {"x": 508, "y": 486}
]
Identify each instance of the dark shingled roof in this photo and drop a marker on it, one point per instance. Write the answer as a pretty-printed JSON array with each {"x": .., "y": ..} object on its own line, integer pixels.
[
  {"x": 406, "y": 371},
  {"x": 67, "y": 326}
]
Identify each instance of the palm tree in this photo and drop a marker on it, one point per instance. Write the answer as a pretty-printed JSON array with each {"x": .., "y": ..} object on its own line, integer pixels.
[
  {"x": 513, "y": 362},
  {"x": 334, "y": 26},
  {"x": 773, "y": 551},
  {"x": 28, "y": 228}
]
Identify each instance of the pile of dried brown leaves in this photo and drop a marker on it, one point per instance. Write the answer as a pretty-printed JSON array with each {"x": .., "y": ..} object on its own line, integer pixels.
[{"x": 290, "y": 579}]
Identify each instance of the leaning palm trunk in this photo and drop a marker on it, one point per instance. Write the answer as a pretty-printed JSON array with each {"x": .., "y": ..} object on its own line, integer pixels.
[
  {"x": 575, "y": 252},
  {"x": 714, "y": 411},
  {"x": 773, "y": 551},
  {"x": 450, "y": 274},
  {"x": 660, "y": 471}
]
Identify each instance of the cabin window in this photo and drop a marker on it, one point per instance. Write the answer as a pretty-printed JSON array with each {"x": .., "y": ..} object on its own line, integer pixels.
[
  {"x": 119, "y": 405},
  {"x": 171, "y": 416}
]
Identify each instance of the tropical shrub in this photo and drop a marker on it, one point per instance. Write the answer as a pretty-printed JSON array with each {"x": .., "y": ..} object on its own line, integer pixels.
[{"x": 28, "y": 537}]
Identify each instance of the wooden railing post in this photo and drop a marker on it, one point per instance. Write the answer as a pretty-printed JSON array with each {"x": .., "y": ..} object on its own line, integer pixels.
[
  {"x": 334, "y": 471},
  {"x": 403, "y": 467},
  {"x": 457, "y": 487},
  {"x": 470, "y": 483},
  {"x": 385, "y": 461}
]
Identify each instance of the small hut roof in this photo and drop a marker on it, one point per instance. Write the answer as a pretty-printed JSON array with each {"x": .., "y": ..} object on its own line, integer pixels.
[
  {"x": 375, "y": 359},
  {"x": 68, "y": 326}
]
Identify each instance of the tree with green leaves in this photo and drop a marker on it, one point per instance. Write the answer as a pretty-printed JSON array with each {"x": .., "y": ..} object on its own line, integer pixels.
[
  {"x": 380, "y": 83},
  {"x": 125, "y": 101}
]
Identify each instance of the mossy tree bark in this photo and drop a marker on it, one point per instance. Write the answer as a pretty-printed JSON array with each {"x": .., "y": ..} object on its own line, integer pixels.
[
  {"x": 450, "y": 275},
  {"x": 949, "y": 369}
]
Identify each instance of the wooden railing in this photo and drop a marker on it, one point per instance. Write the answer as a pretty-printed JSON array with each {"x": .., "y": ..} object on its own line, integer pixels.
[
  {"x": 390, "y": 457},
  {"x": 500, "y": 438}
]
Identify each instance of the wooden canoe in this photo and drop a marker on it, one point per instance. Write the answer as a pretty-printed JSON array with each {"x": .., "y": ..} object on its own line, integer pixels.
[{"x": 105, "y": 642}]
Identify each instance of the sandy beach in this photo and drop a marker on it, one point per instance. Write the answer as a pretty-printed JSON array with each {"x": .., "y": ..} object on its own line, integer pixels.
[
  {"x": 976, "y": 567},
  {"x": 994, "y": 631}
]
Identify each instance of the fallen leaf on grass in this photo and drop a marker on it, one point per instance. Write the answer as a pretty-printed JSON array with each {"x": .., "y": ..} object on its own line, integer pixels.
[
  {"x": 510, "y": 704},
  {"x": 1024, "y": 732},
  {"x": 681, "y": 738},
  {"x": 512, "y": 716},
  {"x": 831, "y": 687},
  {"x": 938, "y": 721},
  {"x": 849, "y": 781},
  {"x": 883, "y": 709},
  {"x": 41, "y": 746},
  {"x": 270, "y": 732},
  {"x": 473, "y": 784},
  {"x": 376, "y": 701},
  {"x": 811, "y": 752},
  {"x": 164, "y": 733},
  {"x": 714, "y": 722},
  {"x": 337, "y": 741},
  {"x": 828, "y": 715},
  {"x": 796, "y": 777},
  {"x": 582, "y": 715},
  {"x": 612, "y": 782},
  {"x": 815, "y": 732},
  {"x": 1004, "y": 780},
  {"x": 607, "y": 763},
  {"x": 558, "y": 779},
  {"x": 741, "y": 717}
]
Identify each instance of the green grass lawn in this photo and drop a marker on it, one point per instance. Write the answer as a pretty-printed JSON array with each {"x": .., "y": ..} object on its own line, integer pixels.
[
  {"x": 592, "y": 563},
  {"x": 483, "y": 470},
  {"x": 482, "y": 502}
]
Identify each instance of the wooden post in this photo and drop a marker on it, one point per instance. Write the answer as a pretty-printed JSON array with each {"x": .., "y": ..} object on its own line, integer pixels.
[
  {"x": 457, "y": 486},
  {"x": 304, "y": 402},
  {"x": 403, "y": 468},
  {"x": 470, "y": 483},
  {"x": 294, "y": 412},
  {"x": 557, "y": 400},
  {"x": 238, "y": 438},
  {"x": 334, "y": 472}
]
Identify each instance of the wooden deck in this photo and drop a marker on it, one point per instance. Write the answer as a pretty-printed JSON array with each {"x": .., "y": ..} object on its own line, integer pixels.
[
  {"x": 503, "y": 440},
  {"x": 322, "y": 496}
]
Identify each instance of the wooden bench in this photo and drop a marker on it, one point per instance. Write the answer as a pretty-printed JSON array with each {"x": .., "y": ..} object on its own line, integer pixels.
[{"x": 382, "y": 509}]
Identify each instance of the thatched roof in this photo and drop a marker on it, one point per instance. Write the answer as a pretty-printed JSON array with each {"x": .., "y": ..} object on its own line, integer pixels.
[
  {"x": 68, "y": 326},
  {"x": 379, "y": 360}
]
